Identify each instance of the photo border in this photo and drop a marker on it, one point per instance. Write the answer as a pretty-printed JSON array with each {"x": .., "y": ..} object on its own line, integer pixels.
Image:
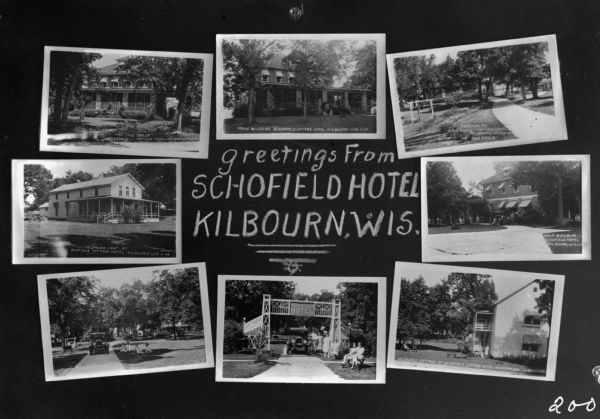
[
  {"x": 381, "y": 325},
  {"x": 401, "y": 267},
  {"x": 586, "y": 236},
  {"x": 203, "y": 138},
  {"x": 380, "y": 133},
  {"x": 18, "y": 223},
  {"x": 556, "y": 91},
  {"x": 46, "y": 335}
]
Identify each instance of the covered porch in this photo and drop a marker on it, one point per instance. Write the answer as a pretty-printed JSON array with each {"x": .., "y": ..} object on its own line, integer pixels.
[{"x": 113, "y": 210}]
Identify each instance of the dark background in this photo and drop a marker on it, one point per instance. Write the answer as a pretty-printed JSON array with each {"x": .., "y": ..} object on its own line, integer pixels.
[{"x": 170, "y": 25}]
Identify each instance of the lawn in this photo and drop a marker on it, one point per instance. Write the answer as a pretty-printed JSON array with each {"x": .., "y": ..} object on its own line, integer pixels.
[
  {"x": 464, "y": 228},
  {"x": 78, "y": 239},
  {"x": 165, "y": 353},
  {"x": 297, "y": 124},
  {"x": 543, "y": 104},
  {"x": 367, "y": 372},
  {"x": 243, "y": 366},
  {"x": 63, "y": 362},
  {"x": 473, "y": 125}
]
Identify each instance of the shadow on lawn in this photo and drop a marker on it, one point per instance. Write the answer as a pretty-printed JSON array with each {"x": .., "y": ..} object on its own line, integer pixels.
[
  {"x": 156, "y": 354},
  {"x": 466, "y": 228},
  {"x": 67, "y": 361}
]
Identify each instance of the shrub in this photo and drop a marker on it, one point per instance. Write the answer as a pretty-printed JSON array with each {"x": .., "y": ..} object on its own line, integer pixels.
[
  {"x": 240, "y": 110},
  {"x": 138, "y": 115},
  {"x": 131, "y": 215},
  {"x": 233, "y": 337}
]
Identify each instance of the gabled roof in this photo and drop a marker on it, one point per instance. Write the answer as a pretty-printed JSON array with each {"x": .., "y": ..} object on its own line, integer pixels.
[
  {"x": 109, "y": 70},
  {"x": 108, "y": 180},
  {"x": 498, "y": 177}
]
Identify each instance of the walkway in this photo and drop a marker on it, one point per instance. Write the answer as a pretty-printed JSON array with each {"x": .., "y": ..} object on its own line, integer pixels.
[
  {"x": 98, "y": 364},
  {"x": 304, "y": 368},
  {"x": 522, "y": 241},
  {"x": 526, "y": 124}
]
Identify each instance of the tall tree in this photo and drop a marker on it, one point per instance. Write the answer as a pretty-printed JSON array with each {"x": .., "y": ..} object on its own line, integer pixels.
[
  {"x": 414, "y": 319},
  {"x": 554, "y": 181},
  {"x": 315, "y": 63},
  {"x": 445, "y": 193},
  {"x": 72, "y": 177},
  {"x": 170, "y": 77},
  {"x": 69, "y": 299},
  {"x": 469, "y": 293},
  {"x": 244, "y": 61},
  {"x": 545, "y": 300},
  {"x": 530, "y": 66},
  {"x": 68, "y": 70},
  {"x": 37, "y": 183},
  {"x": 365, "y": 71},
  {"x": 175, "y": 294},
  {"x": 359, "y": 307}
]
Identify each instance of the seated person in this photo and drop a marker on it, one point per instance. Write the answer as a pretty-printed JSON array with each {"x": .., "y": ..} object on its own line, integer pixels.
[
  {"x": 359, "y": 356},
  {"x": 346, "y": 361}
]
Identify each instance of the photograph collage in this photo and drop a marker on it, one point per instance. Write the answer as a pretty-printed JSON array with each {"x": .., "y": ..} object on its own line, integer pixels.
[{"x": 156, "y": 122}]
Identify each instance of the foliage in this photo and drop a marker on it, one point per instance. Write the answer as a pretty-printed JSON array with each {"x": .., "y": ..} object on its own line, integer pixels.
[
  {"x": 445, "y": 194},
  {"x": 132, "y": 215},
  {"x": 543, "y": 303},
  {"x": 365, "y": 73},
  {"x": 413, "y": 314},
  {"x": 37, "y": 183},
  {"x": 233, "y": 336},
  {"x": 556, "y": 183},
  {"x": 72, "y": 177},
  {"x": 359, "y": 308}
]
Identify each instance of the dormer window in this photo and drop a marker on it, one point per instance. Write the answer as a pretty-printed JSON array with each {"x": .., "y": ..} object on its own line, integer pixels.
[
  {"x": 120, "y": 191},
  {"x": 279, "y": 79},
  {"x": 95, "y": 191},
  {"x": 114, "y": 84},
  {"x": 516, "y": 188},
  {"x": 291, "y": 80},
  {"x": 264, "y": 78},
  {"x": 103, "y": 84},
  {"x": 128, "y": 84},
  {"x": 81, "y": 194},
  {"x": 502, "y": 188},
  {"x": 532, "y": 320}
]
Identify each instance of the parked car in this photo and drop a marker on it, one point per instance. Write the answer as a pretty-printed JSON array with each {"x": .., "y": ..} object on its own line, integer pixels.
[
  {"x": 98, "y": 343},
  {"x": 298, "y": 340},
  {"x": 70, "y": 344}
]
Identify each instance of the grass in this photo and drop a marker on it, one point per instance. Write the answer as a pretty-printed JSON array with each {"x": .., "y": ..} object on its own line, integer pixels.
[
  {"x": 296, "y": 124},
  {"x": 78, "y": 239},
  {"x": 440, "y": 358},
  {"x": 244, "y": 368},
  {"x": 464, "y": 228},
  {"x": 477, "y": 123},
  {"x": 62, "y": 363},
  {"x": 366, "y": 372},
  {"x": 543, "y": 104},
  {"x": 565, "y": 242},
  {"x": 165, "y": 353}
]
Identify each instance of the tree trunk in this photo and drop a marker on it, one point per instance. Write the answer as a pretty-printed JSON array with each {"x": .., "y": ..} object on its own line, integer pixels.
[
  {"x": 507, "y": 92},
  {"x": 180, "y": 109},
  {"x": 480, "y": 90},
  {"x": 534, "y": 90},
  {"x": 561, "y": 218},
  {"x": 524, "y": 91},
  {"x": 58, "y": 97},
  {"x": 174, "y": 329},
  {"x": 251, "y": 105},
  {"x": 304, "y": 104},
  {"x": 64, "y": 114}
]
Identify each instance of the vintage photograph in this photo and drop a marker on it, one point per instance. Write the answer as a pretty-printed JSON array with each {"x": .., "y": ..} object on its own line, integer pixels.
[
  {"x": 472, "y": 97},
  {"x": 505, "y": 208},
  {"x": 309, "y": 86},
  {"x": 96, "y": 211},
  {"x": 125, "y": 321},
  {"x": 475, "y": 321},
  {"x": 301, "y": 329},
  {"x": 110, "y": 101}
]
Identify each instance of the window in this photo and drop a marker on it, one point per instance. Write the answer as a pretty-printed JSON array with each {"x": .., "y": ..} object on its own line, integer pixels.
[
  {"x": 56, "y": 196},
  {"x": 291, "y": 80},
  {"x": 126, "y": 190},
  {"x": 506, "y": 172},
  {"x": 502, "y": 189},
  {"x": 67, "y": 207},
  {"x": 142, "y": 84},
  {"x": 95, "y": 191},
  {"x": 531, "y": 343},
  {"x": 264, "y": 78},
  {"x": 532, "y": 320},
  {"x": 68, "y": 195},
  {"x": 279, "y": 79},
  {"x": 81, "y": 193},
  {"x": 103, "y": 84},
  {"x": 120, "y": 190},
  {"x": 114, "y": 84},
  {"x": 133, "y": 192},
  {"x": 128, "y": 84}
]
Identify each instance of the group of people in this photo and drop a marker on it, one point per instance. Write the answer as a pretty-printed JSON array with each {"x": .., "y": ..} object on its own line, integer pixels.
[
  {"x": 319, "y": 341},
  {"x": 355, "y": 357}
]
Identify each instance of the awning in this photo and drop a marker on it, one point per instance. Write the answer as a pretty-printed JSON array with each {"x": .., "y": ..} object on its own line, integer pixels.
[
  {"x": 489, "y": 188},
  {"x": 292, "y": 75},
  {"x": 511, "y": 204},
  {"x": 502, "y": 185},
  {"x": 278, "y": 73},
  {"x": 501, "y": 204},
  {"x": 524, "y": 203},
  {"x": 115, "y": 79},
  {"x": 265, "y": 73},
  {"x": 531, "y": 339}
]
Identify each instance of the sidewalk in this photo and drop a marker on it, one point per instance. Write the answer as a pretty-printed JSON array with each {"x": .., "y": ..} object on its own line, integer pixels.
[
  {"x": 309, "y": 368},
  {"x": 525, "y": 123},
  {"x": 100, "y": 363}
]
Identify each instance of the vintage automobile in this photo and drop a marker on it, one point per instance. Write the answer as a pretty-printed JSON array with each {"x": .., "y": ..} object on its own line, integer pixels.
[
  {"x": 98, "y": 343},
  {"x": 298, "y": 340},
  {"x": 70, "y": 344}
]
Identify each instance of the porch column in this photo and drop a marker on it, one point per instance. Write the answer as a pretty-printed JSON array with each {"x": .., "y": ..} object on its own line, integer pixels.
[
  {"x": 324, "y": 95},
  {"x": 111, "y": 205},
  {"x": 87, "y": 208},
  {"x": 363, "y": 103},
  {"x": 98, "y": 206}
]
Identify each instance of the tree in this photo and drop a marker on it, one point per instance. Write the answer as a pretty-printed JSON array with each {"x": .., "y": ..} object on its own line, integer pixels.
[
  {"x": 544, "y": 301},
  {"x": 414, "y": 319},
  {"x": 68, "y": 70},
  {"x": 469, "y": 293},
  {"x": 158, "y": 179},
  {"x": 69, "y": 299},
  {"x": 170, "y": 77},
  {"x": 416, "y": 77},
  {"x": 37, "y": 183},
  {"x": 175, "y": 294},
  {"x": 72, "y": 177},
  {"x": 555, "y": 182},
  {"x": 244, "y": 61},
  {"x": 365, "y": 72},
  {"x": 530, "y": 66},
  {"x": 359, "y": 308},
  {"x": 445, "y": 194}
]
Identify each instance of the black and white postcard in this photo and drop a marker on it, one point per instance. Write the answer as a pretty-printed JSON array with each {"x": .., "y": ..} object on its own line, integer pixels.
[
  {"x": 475, "y": 321},
  {"x": 505, "y": 208},
  {"x": 301, "y": 329},
  {"x": 96, "y": 211},
  {"x": 125, "y": 321},
  {"x": 472, "y": 97},
  {"x": 110, "y": 101},
  {"x": 308, "y": 86}
]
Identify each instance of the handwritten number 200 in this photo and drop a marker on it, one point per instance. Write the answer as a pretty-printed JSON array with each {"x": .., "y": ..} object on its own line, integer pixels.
[{"x": 590, "y": 406}]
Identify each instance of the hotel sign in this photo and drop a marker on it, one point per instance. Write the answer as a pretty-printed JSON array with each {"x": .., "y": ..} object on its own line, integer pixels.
[{"x": 302, "y": 309}]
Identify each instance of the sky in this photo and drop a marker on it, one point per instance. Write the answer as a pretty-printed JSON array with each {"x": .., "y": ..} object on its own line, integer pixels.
[
  {"x": 505, "y": 283},
  {"x": 107, "y": 59},
  {"x": 115, "y": 278},
  {"x": 473, "y": 170},
  {"x": 60, "y": 167},
  {"x": 311, "y": 286}
]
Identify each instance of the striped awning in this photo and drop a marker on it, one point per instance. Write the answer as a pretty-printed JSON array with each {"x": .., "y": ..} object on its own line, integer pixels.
[
  {"x": 291, "y": 75},
  {"x": 502, "y": 185},
  {"x": 265, "y": 73},
  {"x": 501, "y": 204},
  {"x": 489, "y": 188},
  {"x": 511, "y": 204},
  {"x": 278, "y": 73},
  {"x": 524, "y": 203}
]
